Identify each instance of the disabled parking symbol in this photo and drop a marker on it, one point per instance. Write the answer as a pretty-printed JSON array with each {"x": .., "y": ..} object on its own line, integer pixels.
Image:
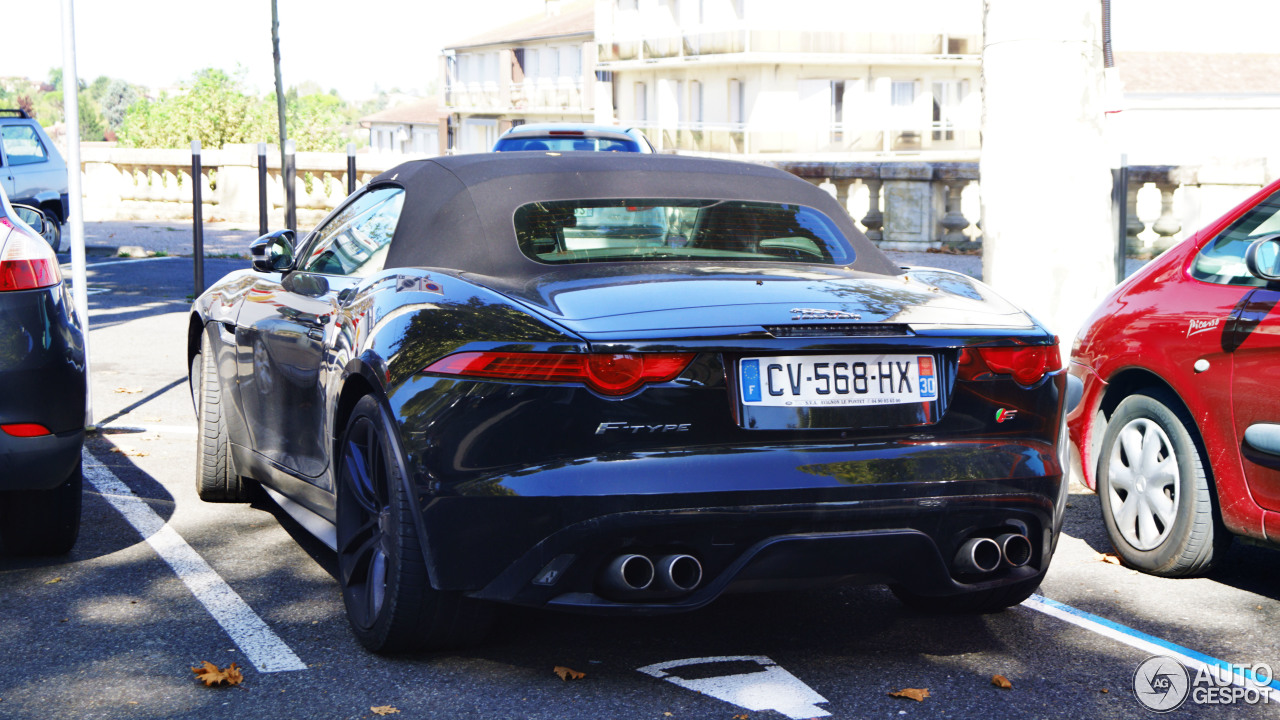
[{"x": 753, "y": 682}]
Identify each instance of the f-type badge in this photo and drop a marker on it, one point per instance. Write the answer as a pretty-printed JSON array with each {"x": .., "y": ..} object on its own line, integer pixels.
[{"x": 814, "y": 314}]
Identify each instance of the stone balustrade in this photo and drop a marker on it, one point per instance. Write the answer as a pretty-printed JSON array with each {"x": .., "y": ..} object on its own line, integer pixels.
[
  {"x": 146, "y": 184},
  {"x": 911, "y": 206}
]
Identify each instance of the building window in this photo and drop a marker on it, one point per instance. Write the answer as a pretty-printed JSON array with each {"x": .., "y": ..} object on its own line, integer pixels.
[
  {"x": 695, "y": 102},
  {"x": 571, "y": 62},
  {"x": 948, "y": 95},
  {"x": 641, "y": 103},
  {"x": 737, "y": 107},
  {"x": 549, "y": 65},
  {"x": 682, "y": 107},
  {"x": 903, "y": 93}
]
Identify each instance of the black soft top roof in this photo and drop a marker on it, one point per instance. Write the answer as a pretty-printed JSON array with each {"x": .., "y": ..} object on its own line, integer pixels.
[{"x": 459, "y": 209}]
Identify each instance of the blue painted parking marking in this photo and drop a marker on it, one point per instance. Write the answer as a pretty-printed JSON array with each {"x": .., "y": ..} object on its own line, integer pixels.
[{"x": 1156, "y": 646}]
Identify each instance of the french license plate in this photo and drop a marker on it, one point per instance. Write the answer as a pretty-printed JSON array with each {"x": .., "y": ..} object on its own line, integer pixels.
[{"x": 837, "y": 380}]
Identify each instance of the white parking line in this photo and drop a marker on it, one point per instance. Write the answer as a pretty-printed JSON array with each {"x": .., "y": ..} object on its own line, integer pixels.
[
  {"x": 1191, "y": 659},
  {"x": 148, "y": 428},
  {"x": 262, "y": 647},
  {"x": 122, "y": 262}
]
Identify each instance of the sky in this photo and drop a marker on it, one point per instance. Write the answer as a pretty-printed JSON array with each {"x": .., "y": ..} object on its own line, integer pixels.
[
  {"x": 352, "y": 47},
  {"x": 356, "y": 46}
]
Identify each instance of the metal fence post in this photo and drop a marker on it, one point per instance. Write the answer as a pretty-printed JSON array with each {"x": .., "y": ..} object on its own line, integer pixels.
[
  {"x": 351, "y": 168},
  {"x": 1120, "y": 213},
  {"x": 262, "y": 189},
  {"x": 197, "y": 217},
  {"x": 290, "y": 194}
]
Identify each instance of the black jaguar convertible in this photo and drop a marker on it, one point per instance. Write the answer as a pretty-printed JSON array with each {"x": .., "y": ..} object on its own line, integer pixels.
[{"x": 617, "y": 383}]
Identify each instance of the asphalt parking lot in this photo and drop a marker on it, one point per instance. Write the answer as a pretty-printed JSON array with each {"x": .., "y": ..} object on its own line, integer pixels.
[{"x": 160, "y": 582}]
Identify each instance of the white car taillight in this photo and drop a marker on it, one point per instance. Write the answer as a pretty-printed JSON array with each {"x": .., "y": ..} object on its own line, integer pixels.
[{"x": 26, "y": 261}]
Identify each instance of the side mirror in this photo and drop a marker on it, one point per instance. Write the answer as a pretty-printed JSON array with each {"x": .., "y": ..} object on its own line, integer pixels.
[
  {"x": 32, "y": 217},
  {"x": 273, "y": 252},
  {"x": 1263, "y": 258}
]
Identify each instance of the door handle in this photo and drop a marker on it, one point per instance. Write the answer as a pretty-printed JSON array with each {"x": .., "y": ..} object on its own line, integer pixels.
[{"x": 315, "y": 333}]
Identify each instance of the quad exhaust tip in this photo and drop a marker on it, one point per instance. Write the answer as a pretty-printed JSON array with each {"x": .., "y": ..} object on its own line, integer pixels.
[
  {"x": 679, "y": 573},
  {"x": 629, "y": 573},
  {"x": 632, "y": 574},
  {"x": 980, "y": 555},
  {"x": 977, "y": 555},
  {"x": 1015, "y": 548}
]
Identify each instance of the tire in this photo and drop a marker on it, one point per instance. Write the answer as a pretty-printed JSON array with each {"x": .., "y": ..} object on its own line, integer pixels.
[
  {"x": 979, "y": 602},
  {"x": 216, "y": 479},
  {"x": 42, "y": 522},
  {"x": 52, "y": 231},
  {"x": 390, "y": 602},
  {"x": 1157, "y": 500}
]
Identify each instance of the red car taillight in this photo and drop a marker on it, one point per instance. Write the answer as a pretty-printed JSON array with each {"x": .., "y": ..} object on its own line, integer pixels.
[
  {"x": 25, "y": 430},
  {"x": 1027, "y": 364},
  {"x": 607, "y": 374},
  {"x": 26, "y": 261}
]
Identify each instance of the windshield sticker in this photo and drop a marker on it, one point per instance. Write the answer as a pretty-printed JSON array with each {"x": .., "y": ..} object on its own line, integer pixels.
[{"x": 1195, "y": 327}]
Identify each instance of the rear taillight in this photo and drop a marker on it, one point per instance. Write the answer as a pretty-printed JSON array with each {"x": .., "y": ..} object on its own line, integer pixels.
[
  {"x": 26, "y": 261},
  {"x": 25, "y": 430},
  {"x": 607, "y": 374},
  {"x": 1026, "y": 363}
]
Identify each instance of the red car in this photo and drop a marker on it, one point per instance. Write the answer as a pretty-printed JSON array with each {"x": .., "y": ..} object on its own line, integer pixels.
[{"x": 1178, "y": 427}]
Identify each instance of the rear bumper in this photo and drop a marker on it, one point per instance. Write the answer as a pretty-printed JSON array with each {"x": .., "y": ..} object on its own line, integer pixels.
[
  {"x": 551, "y": 551},
  {"x": 42, "y": 381},
  {"x": 38, "y": 463}
]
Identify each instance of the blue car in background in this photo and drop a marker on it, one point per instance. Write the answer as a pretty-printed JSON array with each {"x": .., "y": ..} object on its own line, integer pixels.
[
  {"x": 32, "y": 172},
  {"x": 564, "y": 137}
]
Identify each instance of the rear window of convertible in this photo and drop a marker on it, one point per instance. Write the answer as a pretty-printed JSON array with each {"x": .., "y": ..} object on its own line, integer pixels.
[{"x": 583, "y": 231}]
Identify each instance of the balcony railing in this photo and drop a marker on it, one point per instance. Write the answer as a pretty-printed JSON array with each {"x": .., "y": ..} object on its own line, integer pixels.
[
  {"x": 529, "y": 96},
  {"x": 739, "y": 39},
  {"x": 738, "y": 139}
]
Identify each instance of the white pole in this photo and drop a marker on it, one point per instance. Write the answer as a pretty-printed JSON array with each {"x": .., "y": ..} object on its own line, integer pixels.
[
  {"x": 1046, "y": 216},
  {"x": 71, "y": 109}
]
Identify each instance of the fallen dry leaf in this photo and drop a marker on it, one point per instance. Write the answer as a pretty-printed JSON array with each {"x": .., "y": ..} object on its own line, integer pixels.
[
  {"x": 384, "y": 710},
  {"x": 55, "y": 580},
  {"x": 1001, "y": 682},
  {"x": 1109, "y": 558},
  {"x": 129, "y": 452},
  {"x": 568, "y": 673},
  {"x": 1105, "y": 691},
  {"x": 917, "y": 694},
  {"x": 128, "y": 391},
  {"x": 210, "y": 675}
]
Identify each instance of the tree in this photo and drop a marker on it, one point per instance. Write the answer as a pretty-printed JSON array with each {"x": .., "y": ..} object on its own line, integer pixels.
[
  {"x": 91, "y": 126},
  {"x": 118, "y": 97},
  {"x": 213, "y": 111}
]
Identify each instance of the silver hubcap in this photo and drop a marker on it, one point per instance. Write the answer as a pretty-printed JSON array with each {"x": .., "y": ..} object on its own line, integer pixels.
[{"x": 1142, "y": 475}]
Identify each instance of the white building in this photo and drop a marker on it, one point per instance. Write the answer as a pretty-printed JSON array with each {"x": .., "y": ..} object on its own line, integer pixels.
[
  {"x": 412, "y": 128},
  {"x": 797, "y": 77},
  {"x": 539, "y": 69}
]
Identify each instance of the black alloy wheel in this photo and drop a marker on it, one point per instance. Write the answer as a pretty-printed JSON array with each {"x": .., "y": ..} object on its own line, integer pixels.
[{"x": 390, "y": 602}]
